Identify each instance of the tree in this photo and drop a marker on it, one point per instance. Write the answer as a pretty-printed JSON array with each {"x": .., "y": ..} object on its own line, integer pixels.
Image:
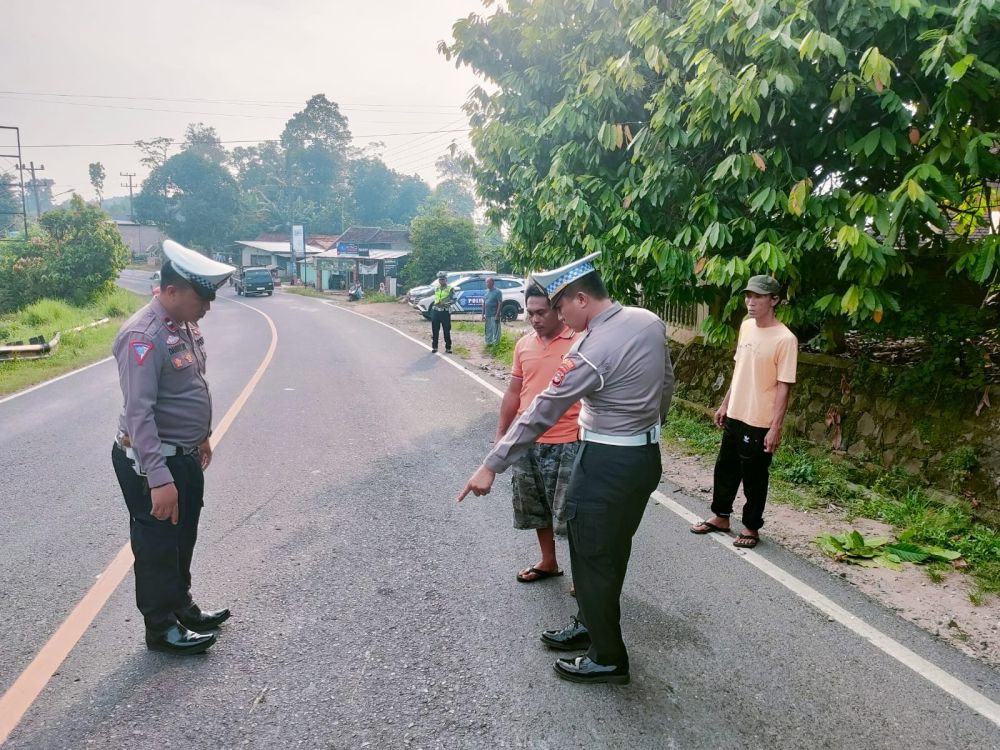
[
  {"x": 204, "y": 141},
  {"x": 441, "y": 241},
  {"x": 97, "y": 175},
  {"x": 84, "y": 251},
  {"x": 154, "y": 151},
  {"x": 848, "y": 147},
  {"x": 194, "y": 200},
  {"x": 10, "y": 205},
  {"x": 381, "y": 196},
  {"x": 315, "y": 144}
]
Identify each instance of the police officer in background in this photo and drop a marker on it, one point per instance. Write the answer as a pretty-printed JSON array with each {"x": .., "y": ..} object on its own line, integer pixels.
[
  {"x": 621, "y": 370},
  {"x": 163, "y": 448},
  {"x": 444, "y": 298}
]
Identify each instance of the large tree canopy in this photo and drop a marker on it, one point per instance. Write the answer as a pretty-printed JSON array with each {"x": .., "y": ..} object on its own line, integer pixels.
[
  {"x": 849, "y": 147},
  {"x": 194, "y": 199},
  {"x": 441, "y": 241}
]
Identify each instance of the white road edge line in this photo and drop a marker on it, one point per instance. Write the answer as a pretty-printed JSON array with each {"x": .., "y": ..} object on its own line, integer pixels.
[{"x": 934, "y": 674}]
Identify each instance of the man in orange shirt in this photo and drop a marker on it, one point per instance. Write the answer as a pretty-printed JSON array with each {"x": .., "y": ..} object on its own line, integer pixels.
[
  {"x": 753, "y": 412},
  {"x": 541, "y": 475}
]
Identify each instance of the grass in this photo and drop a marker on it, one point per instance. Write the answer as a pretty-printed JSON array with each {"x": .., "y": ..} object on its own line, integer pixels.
[
  {"x": 304, "y": 291},
  {"x": 378, "y": 297},
  {"x": 804, "y": 479},
  {"x": 48, "y": 316}
]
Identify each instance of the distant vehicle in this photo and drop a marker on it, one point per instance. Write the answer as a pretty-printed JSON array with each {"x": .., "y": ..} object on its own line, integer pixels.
[
  {"x": 470, "y": 291},
  {"x": 417, "y": 293},
  {"x": 154, "y": 283},
  {"x": 253, "y": 280}
]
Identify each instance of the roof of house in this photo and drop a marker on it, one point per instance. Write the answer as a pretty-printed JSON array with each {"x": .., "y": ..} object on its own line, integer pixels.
[
  {"x": 277, "y": 248},
  {"x": 373, "y": 235},
  {"x": 324, "y": 241},
  {"x": 372, "y": 254}
]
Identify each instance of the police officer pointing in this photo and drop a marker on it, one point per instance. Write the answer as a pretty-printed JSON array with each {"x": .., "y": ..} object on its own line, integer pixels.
[
  {"x": 622, "y": 372},
  {"x": 163, "y": 447}
]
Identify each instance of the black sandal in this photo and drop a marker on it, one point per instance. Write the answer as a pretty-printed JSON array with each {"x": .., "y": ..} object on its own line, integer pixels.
[
  {"x": 712, "y": 528},
  {"x": 746, "y": 541}
]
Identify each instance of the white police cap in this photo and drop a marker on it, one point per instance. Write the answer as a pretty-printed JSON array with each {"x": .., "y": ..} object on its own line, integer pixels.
[
  {"x": 555, "y": 281},
  {"x": 203, "y": 273}
]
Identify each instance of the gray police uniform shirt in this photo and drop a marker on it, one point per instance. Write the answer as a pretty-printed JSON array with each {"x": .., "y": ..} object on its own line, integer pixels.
[
  {"x": 620, "y": 369},
  {"x": 161, "y": 367}
]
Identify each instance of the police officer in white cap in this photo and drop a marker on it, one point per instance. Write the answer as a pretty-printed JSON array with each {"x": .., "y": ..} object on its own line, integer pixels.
[
  {"x": 163, "y": 446},
  {"x": 622, "y": 372}
]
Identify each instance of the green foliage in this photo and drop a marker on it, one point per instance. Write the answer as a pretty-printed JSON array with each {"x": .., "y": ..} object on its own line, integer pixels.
[
  {"x": 75, "y": 255},
  {"x": 76, "y": 349},
  {"x": 441, "y": 241},
  {"x": 194, "y": 200},
  {"x": 97, "y": 175},
  {"x": 503, "y": 350},
  {"x": 958, "y": 464},
  {"x": 378, "y": 297},
  {"x": 880, "y": 551},
  {"x": 846, "y": 147}
]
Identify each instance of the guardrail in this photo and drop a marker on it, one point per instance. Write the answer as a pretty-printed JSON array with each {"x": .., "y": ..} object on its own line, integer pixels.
[{"x": 37, "y": 347}]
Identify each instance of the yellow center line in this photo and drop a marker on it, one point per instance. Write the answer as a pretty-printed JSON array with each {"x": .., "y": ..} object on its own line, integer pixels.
[{"x": 22, "y": 694}]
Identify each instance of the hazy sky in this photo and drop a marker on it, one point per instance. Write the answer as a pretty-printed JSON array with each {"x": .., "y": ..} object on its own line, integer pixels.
[{"x": 252, "y": 63}]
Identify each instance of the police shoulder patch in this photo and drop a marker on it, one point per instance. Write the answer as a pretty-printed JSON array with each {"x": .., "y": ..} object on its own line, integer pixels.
[
  {"x": 141, "y": 350},
  {"x": 564, "y": 367}
]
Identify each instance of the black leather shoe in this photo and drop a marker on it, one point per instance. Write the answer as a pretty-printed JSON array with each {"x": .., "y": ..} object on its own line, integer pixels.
[
  {"x": 574, "y": 637},
  {"x": 582, "y": 669},
  {"x": 447, "y": 351},
  {"x": 177, "y": 639},
  {"x": 194, "y": 618}
]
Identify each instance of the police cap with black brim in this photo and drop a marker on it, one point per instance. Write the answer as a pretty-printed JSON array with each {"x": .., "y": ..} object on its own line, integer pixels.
[
  {"x": 554, "y": 282},
  {"x": 203, "y": 274}
]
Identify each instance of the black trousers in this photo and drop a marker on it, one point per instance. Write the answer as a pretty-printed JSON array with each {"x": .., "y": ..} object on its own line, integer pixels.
[
  {"x": 742, "y": 459},
  {"x": 605, "y": 500},
  {"x": 162, "y": 550},
  {"x": 440, "y": 319}
]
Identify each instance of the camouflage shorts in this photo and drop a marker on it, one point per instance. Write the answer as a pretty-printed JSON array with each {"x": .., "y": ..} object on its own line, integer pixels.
[{"x": 540, "y": 478}]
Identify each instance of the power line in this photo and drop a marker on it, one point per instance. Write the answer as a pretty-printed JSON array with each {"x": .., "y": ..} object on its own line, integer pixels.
[
  {"x": 248, "y": 140},
  {"x": 235, "y": 102}
]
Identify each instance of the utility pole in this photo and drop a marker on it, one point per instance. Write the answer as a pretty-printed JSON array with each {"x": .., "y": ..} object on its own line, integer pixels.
[
  {"x": 34, "y": 184},
  {"x": 130, "y": 175}
]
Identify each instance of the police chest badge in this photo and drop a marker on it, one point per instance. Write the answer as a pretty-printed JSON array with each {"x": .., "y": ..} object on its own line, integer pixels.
[
  {"x": 564, "y": 367},
  {"x": 141, "y": 350},
  {"x": 172, "y": 339}
]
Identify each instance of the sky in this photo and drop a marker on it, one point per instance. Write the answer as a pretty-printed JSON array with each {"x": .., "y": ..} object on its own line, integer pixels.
[{"x": 115, "y": 71}]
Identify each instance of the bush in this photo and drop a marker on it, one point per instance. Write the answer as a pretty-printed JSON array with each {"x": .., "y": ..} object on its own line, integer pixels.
[{"x": 76, "y": 255}]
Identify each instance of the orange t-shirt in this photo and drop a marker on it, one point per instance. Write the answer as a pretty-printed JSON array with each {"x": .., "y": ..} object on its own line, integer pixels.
[
  {"x": 763, "y": 357},
  {"x": 536, "y": 364}
]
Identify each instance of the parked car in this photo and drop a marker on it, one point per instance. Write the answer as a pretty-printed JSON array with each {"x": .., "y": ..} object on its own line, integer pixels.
[
  {"x": 253, "y": 280},
  {"x": 417, "y": 293},
  {"x": 470, "y": 291}
]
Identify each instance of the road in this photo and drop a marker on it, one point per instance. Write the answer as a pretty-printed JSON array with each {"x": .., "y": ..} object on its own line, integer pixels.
[{"x": 371, "y": 610}]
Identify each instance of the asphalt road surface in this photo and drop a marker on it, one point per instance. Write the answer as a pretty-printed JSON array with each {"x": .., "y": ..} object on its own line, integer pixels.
[{"x": 372, "y": 610}]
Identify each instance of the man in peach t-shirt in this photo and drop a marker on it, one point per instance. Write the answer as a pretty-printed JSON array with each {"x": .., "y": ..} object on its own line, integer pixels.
[
  {"x": 541, "y": 475},
  {"x": 753, "y": 412}
]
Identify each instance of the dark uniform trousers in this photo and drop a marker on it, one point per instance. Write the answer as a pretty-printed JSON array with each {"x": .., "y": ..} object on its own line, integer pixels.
[
  {"x": 440, "y": 319},
  {"x": 162, "y": 550},
  {"x": 742, "y": 459},
  {"x": 605, "y": 501}
]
